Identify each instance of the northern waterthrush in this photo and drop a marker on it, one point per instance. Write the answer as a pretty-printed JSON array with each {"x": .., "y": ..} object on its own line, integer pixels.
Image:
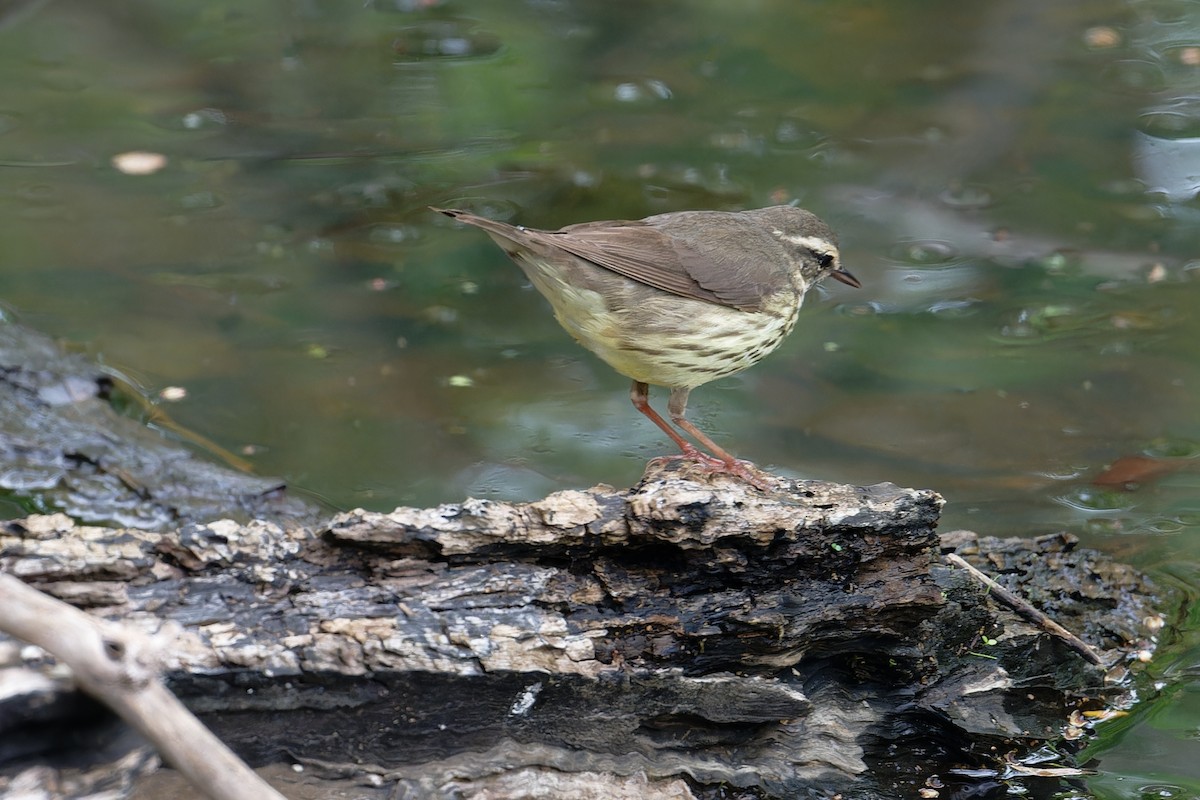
[{"x": 679, "y": 299}]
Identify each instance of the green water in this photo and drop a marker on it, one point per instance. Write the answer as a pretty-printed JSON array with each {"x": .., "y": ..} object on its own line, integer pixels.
[{"x": 1012, "y": 182}]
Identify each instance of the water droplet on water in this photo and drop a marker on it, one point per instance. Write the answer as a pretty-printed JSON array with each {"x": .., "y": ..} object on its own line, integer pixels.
[
  {"x": 1064, "y": 473},
  {"x": 1161, "y": 526},
  {"x": 443, "y": 39},
  {"x": 796, "y": 134},
  {"x": 867, "y": 309},
  {"x": 641, "y": 90},
  {"x": 1095, "y": 500},
  {"x": 953, "y": 309},
  {"x": 627, "y": 92},
  {"x": 923, "y": 252},
  {"x": 1050, "y": 321},
  {"x": 198, "y": 120},
  {"x": 1170, "y": 123}
]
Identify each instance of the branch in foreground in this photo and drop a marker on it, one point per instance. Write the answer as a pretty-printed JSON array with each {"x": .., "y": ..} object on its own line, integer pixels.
[
  {"x": 1024, "y": 609},
  {"x": 118, "y": 666}
]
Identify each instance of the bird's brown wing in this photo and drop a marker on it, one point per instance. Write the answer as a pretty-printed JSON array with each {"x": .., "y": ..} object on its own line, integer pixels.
[
  {"x": 647, "y": 255},
  {"x": 732, "y": 276}
]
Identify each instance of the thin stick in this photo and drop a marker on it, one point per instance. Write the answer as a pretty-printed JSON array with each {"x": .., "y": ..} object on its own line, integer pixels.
[
  {"x": 1029, "y": 612},
  {"x": 117, "y": 665}
]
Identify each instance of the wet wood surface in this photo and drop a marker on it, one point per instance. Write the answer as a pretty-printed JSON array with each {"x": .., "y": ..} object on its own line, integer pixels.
[{"x": 689, "y": 628}]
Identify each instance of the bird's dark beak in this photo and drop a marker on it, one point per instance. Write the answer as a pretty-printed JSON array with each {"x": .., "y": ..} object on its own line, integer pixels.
[{"x": 846, "y": 278}]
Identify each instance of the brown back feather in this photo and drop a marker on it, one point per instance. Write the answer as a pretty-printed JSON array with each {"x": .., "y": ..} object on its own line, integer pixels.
[{"x": 696, "y": 259}]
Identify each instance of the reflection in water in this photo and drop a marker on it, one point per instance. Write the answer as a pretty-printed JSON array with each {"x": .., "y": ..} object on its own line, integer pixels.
[{"x": 1168, "y": 166}]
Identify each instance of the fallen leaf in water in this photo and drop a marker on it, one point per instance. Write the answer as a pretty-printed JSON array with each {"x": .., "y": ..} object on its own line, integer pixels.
[
  {"x": 1050, "y": 772},
  {"x": 1129, "y": 472},
  {"x": 138, "y": 162}
]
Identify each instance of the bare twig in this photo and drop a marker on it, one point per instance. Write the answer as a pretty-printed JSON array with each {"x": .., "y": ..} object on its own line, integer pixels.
[
  {"x": 116, "y": 664},
  {"x": 1023, "y": 608}
]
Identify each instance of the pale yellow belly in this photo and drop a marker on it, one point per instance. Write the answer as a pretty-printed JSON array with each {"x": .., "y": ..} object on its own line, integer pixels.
[{"x": 658, "y": 338}]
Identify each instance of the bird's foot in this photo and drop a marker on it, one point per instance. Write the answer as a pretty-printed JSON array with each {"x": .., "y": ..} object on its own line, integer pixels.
[
  {"x": 711, "y": 465},
  {"x": 751, "y": 474}
]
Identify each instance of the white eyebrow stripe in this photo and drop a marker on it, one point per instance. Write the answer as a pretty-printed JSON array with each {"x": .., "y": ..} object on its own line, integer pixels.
[{"x": 814, "y": 243}]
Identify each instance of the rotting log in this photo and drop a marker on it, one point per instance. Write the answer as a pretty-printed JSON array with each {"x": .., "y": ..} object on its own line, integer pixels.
[{"x": 685, "y": 637}]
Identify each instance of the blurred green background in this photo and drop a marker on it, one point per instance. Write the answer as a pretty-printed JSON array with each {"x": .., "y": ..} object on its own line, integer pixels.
[{"x": 1013, "y": 182}]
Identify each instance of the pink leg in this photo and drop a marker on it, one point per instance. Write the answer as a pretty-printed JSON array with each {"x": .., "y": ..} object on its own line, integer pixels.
[
  {"x": 640, "y": 395},
  {"x": 720, "y": 461},
  {"x": 677, "y": 408}
]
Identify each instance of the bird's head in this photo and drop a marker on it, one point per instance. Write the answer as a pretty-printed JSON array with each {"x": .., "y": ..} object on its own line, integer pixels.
[{"x": 812, "y": 244}]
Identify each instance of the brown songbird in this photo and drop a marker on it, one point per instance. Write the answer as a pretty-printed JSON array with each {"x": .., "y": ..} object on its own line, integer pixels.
[{"x": 679, "y": 299}]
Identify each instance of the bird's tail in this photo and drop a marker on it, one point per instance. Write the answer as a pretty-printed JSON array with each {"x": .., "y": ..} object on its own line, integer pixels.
[{"x": 501, "y": 229}]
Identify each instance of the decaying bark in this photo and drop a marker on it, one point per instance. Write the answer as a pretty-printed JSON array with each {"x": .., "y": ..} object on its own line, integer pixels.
[{"x": 686, "y": 634}]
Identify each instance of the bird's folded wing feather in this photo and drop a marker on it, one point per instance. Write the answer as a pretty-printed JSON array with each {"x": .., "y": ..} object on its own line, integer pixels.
[{"x": 645, "y": 254}]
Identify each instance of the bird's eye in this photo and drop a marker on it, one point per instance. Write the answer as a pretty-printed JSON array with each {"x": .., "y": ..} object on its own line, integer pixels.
[{"x": 825, "y": 260}]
